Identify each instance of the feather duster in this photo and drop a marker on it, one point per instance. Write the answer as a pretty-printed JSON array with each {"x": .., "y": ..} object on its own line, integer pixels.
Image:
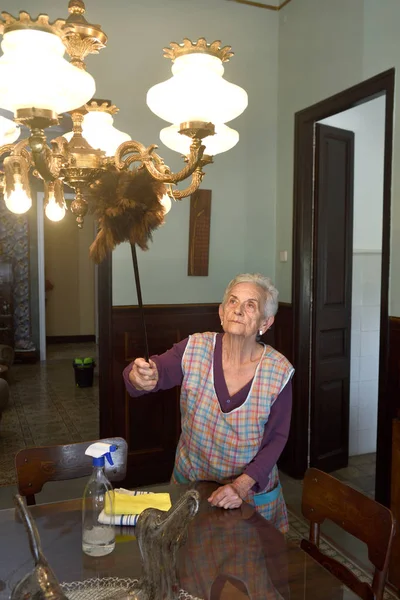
[{"x": 127, "y": 207}]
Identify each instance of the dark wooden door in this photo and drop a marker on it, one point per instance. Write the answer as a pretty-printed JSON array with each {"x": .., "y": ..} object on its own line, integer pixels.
[{"x": 332, "y": 271}]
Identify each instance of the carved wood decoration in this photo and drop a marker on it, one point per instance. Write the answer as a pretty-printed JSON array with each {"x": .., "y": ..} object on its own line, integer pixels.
[{"x": 199, "y": 233}]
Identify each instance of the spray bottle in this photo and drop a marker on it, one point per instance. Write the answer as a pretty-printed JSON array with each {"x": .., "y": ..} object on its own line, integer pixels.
[{"x": 98, "y": 539}]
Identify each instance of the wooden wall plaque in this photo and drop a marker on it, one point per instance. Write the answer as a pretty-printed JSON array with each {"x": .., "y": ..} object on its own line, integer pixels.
[{"x": 199, "y": 233}]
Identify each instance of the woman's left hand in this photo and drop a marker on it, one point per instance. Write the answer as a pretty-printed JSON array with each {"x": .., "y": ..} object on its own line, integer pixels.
[
  {"x": 226, "y": 496},
  {"x": 231, "y": 495}
]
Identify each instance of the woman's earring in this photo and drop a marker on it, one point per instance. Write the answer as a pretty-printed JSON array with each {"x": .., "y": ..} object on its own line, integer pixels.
[{"x": 261, "y": 332}]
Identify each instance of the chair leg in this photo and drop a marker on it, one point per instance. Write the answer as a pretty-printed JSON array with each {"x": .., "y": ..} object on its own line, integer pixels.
[
  {"x": 30, "y": 500},
  {"x": 314, "y": 533}
]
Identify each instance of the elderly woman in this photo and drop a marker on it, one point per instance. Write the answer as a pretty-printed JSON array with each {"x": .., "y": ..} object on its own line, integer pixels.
[{"x": 235, "y": 401}]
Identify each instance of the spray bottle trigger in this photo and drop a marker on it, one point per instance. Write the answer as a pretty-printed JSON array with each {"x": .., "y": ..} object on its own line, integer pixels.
[{"x": 108, "y": 454}]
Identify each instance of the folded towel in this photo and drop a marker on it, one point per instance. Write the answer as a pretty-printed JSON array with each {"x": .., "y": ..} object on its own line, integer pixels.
[
  {"x": 127, "y": 503},
  {"x": 120, "y": 520}
]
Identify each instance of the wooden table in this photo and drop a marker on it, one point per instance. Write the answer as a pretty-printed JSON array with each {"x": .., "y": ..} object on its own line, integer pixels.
[{"x": 229, "y": 555}]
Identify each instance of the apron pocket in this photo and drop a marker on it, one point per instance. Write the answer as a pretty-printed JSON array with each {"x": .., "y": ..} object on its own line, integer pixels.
[{"x": 267, "y": 497}]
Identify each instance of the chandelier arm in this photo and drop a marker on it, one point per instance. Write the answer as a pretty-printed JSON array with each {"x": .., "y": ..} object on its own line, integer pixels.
[
  {"x": 154, "y": 163},
  {"x": 194, "y": 161},
  {"x": 197, "y": 178},
  {"x": 137, "y": 149},
  {"x": 18, "y": 149},
  {"x": 47, "y": 163}
]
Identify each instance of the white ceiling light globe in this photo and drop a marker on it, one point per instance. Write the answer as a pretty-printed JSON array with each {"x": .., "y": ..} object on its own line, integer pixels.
[
  {"x": 223, "y": 140},
  {"x": 197, "y": 92},
  {"x": 99, "y": 131},
  {"x": 34, "y": 74},
  {"x": 9, "y": 131}
]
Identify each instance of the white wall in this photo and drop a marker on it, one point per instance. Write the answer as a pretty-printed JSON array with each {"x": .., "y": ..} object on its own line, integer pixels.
[
  {"x": 325, "y": 47},
  {"x": 365, "y": 327},
  {"x": 243, "y": 181},
  {"x": 368, "y": 124}
]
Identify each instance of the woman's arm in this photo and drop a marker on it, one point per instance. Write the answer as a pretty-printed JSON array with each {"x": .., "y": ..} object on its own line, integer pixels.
[
  {"x": 169, "y": 370},
  {"x": 276, "y": 433}
]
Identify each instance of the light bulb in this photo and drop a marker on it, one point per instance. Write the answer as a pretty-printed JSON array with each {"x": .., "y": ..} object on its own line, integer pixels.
[
  {"x": 166, "y": 203},
  {"x": 18, "y": 201},
  {"x": 53, "y": 210}
]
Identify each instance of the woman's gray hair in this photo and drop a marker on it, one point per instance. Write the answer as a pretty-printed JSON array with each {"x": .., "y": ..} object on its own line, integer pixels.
[{"x": 266, "y": 285}]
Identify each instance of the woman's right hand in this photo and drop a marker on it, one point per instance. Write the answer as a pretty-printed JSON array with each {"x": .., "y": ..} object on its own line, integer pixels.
[{"x": 143, "y": 375}]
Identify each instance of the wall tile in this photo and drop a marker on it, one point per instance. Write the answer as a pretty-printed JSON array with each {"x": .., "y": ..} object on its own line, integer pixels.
[
  {"x": 357, "y": 280},
  {"x": 353, "y": 444},
  {"x": 370, "y": 318},
  {"x": 354, "y": 370},
  {"x": 356, "y": 318},
  {"x": 369, "y": 343},
  {"x": 354, "y": 419},
  {"x": 369, "y": 368},
  {"x": 367, "y": 417},
  {"x": 368, "y": 393},
  {"x": 354, "y": 393},
  {"x": 371, "y": 293},
  {"x": 355, "y": 344},
  {"x": 366, "y": 441}
]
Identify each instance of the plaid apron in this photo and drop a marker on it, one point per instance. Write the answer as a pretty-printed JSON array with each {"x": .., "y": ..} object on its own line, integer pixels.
[{"x": 217, "y": 446}]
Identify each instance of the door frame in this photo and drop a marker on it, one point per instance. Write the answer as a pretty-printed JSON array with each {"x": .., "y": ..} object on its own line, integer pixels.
[{"x": 302, "y": 272}]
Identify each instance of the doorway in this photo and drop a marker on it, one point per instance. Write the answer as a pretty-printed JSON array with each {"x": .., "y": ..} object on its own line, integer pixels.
[{"x": 304, "y": 249}]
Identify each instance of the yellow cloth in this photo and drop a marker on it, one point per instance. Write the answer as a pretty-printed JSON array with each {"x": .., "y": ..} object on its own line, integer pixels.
[{"x": 128, "y": 504}]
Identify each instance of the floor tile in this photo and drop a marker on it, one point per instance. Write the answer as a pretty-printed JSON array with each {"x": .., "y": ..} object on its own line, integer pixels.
[{"x": 46, "y": 406}]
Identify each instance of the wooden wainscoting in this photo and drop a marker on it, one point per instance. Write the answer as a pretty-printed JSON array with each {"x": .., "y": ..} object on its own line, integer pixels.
[{"x": 151, "y": 424}]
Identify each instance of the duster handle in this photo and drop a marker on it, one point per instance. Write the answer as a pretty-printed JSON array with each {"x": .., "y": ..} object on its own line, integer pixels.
[{"x": 139, "y": 296}]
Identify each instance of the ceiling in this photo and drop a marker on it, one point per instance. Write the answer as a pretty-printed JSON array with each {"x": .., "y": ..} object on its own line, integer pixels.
[{"x": 268, "y": 4}]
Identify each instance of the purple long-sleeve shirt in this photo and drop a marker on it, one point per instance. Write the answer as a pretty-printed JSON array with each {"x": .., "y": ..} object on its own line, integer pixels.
[{"x": 276, "y": 431}]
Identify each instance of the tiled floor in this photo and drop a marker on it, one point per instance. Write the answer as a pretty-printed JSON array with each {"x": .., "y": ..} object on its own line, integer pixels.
[
  {"x": 46, "y": 407},
  {"x": 360, "y": 473}
]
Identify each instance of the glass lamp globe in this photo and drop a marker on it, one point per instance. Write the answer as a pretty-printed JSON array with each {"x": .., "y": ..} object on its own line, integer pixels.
[
  {"x": 9, "y": 131},
  {"x": 197, "y": 92},
  {"x": 99, "y": 131},
  {"x": 34, "y": 74},
  {"x": 223, "y": 140}
]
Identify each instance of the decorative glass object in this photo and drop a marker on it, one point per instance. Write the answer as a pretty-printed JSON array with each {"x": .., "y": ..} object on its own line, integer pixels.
[
  {"x": 223, "y": 140},
  {"x": 197, "y": 92},
  {"x": 34, "y": 74}
]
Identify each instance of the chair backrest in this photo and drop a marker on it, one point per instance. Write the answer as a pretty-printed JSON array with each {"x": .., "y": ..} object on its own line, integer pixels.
[
  {"x": 37, "y": 466},
  {"x": 325, "y": 497}
]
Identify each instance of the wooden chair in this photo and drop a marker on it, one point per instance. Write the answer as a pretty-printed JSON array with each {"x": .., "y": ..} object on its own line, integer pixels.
[
  {"x": 37, "y": 466},
  {"x": 324, "y": 497}
]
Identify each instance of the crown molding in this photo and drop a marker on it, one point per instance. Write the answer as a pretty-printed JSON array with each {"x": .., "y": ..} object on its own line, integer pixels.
[{"x": 261, "y": 5}]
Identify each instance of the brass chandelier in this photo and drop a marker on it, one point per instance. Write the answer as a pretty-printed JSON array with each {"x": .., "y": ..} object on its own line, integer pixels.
[{"x": 196, "y": 101}]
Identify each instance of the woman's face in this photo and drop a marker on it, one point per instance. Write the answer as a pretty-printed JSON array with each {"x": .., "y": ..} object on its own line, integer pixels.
[{"x": 243, "y": 312}]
